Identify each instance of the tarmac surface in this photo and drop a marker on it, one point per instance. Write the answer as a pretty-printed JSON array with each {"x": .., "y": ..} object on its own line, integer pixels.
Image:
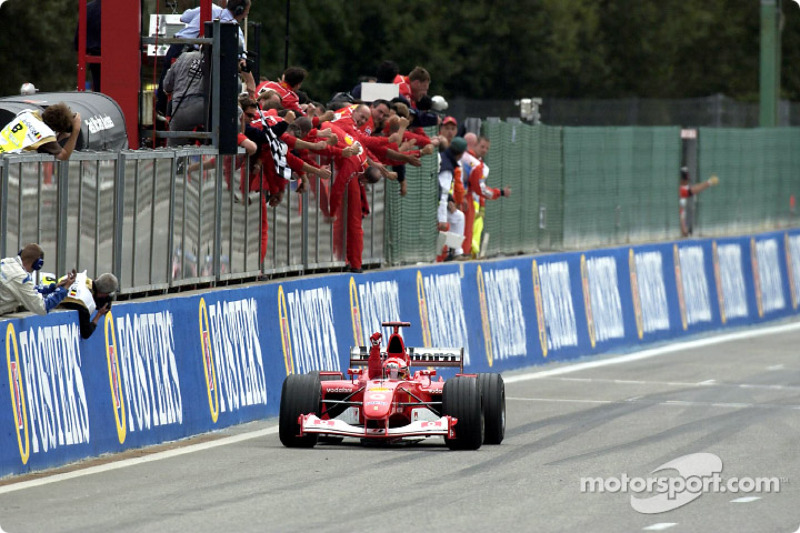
[{"x": 728, "y": 404}]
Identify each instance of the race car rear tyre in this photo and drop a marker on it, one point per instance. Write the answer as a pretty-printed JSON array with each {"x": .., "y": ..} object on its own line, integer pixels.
[
  {"x": 300, "y": 395},
  {"x": 461, "y": 398},
  {"x": 493, "y": 405}
]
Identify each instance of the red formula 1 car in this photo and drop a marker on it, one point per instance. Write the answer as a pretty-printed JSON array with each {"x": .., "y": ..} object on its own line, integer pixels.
[{"x": 381, "y": 401}]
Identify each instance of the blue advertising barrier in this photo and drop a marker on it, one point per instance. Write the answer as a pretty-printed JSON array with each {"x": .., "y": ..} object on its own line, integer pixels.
[{"x": 163, "y": 370}]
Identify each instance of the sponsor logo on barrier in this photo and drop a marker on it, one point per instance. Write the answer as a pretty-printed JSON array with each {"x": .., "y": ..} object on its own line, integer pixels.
[
  {"x": 652, "y": 291},
  {"x": 637, "y": 299},
  {"x": 286, "y": 334},
  {"x": 310, "y": 322},
  {"x": 234, "y": 351},
  {"x": 17, "y": 394},
  {"x": 150, "y": 382},
  {"x": 559, "y": 310},
  {"x": 537, "y": 297},
  {"x": 756, "y": 276},
  {"x": 679, "y": 285},
  {"x": 207, "y": 354},
  {"x": 718, "y": 281},
  {"x": 445, "y": 311},
  {"x": 601, "y": 291},
  {"x": 423, "y": 312},
  {"x": 487, "y": 333},
  {"x": 691, "y": 276},
  {"x": 587, "y": 300},
  {"x": 769, "y": 276},
  {"x": 789, "y": 245},
  {"x": 506, "y": 320},
  {"x": 730, "y": 284},
  {"x": 48, "y": 396},
  {"x": 355, "y": 315},
  {"x": 377, "y": 302},
  {"x": 114, "y": 381}
]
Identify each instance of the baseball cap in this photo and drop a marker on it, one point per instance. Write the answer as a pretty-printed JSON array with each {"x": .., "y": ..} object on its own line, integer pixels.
[
  {"x": 458, "y": 145},
  {"x": 449, "y": 120}
]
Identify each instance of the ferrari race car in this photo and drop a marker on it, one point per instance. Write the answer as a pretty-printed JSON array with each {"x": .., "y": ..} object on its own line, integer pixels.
[{"x": 381, "y": 401}]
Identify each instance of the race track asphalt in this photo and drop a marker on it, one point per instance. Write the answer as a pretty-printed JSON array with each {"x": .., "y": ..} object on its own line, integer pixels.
[{"x": 616, "y": 419}]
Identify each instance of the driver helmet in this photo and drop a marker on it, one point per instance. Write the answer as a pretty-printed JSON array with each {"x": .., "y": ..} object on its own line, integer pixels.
[{"x": 395, "y": 368}]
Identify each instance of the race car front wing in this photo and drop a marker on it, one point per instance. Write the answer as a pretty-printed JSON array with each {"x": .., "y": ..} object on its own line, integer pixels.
[{"x": 421, "y": 428}]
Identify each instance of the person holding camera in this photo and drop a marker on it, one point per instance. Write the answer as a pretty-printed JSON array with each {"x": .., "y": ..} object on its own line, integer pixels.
[
  {"x": 17, "y": 286},
  {"x": 87, "y": 296},
  {"x": 40, "y": 131}
]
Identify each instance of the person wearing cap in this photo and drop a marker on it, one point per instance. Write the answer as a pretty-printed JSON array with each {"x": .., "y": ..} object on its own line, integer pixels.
[
  {"x": 33, "y": 130},
  {"x": 687, "y": 190},
  {"x": 449, "y": 174},
  {"x": 447, "y": 130},
  {"x": 86, "y": 296},
  {"x": 17, "y": 287}
]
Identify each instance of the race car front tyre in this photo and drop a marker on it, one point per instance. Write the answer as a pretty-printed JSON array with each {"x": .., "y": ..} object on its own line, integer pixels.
[
  {"x": 493, "y": 402},
  {"x": 461, "y": 399},
  {"x": 300, "y": 395}
]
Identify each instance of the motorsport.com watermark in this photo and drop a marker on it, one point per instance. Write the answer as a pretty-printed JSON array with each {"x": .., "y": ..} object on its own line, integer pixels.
[{"x": 698, "y": 473}]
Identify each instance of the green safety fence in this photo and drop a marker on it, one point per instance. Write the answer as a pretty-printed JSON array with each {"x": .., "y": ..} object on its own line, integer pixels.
[
  {"x": 620, "y": 185},
  {"x": 410, "y": 230},
  {"x": 528, "y": 160},
  {"x": 759, "y": 173},
  {"x": 584, "y": 187}
]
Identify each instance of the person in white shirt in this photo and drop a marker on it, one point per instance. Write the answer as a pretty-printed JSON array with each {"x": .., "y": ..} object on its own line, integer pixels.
[{"x": 17, "y": 286}]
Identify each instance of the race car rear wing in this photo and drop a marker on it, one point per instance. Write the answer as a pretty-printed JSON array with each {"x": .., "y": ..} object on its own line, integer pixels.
[{"x": 439, "y": 357}]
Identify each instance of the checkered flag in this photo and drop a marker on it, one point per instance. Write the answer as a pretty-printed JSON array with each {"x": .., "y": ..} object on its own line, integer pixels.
[{"x": 278, "y": 149}]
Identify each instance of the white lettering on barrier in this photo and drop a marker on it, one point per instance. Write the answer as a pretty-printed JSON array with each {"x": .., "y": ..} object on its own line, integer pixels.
[
  {"x": 559, "y": 312},
  {"x": 506, "y": 319},
  {"x": 769, "y": 273},
  {"x": 734, "y": 291},
  {"x": 314, "y": 342},
  {"x": 237, "y": 350},
  {"x": 793, "y": 250},
  {"x": 652, "y": 291},
  {"x": 56, "y": 396},
  {"x": 695, "y": 285},
  {"x": 150, "y": 381},
  {"x": 606, "y": 303},
  {"x": 448, "y": 323},
  {"x": 380, "y": 302}
]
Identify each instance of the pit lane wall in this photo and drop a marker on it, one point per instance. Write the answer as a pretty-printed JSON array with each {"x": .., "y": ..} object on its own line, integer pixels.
[{"x": 162, "y": 370}]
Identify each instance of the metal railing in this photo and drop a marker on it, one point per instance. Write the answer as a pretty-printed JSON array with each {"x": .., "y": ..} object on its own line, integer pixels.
[{"x": 164, "y": 220}]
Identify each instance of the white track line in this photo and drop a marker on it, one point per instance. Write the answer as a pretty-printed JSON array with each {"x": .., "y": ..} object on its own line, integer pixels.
[
  {"x": 124, "y": 463},
  {"x": 655, "y": 352}
]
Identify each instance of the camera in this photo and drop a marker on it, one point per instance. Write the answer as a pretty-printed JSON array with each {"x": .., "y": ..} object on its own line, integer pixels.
[{"x": 247, "y": 65}]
